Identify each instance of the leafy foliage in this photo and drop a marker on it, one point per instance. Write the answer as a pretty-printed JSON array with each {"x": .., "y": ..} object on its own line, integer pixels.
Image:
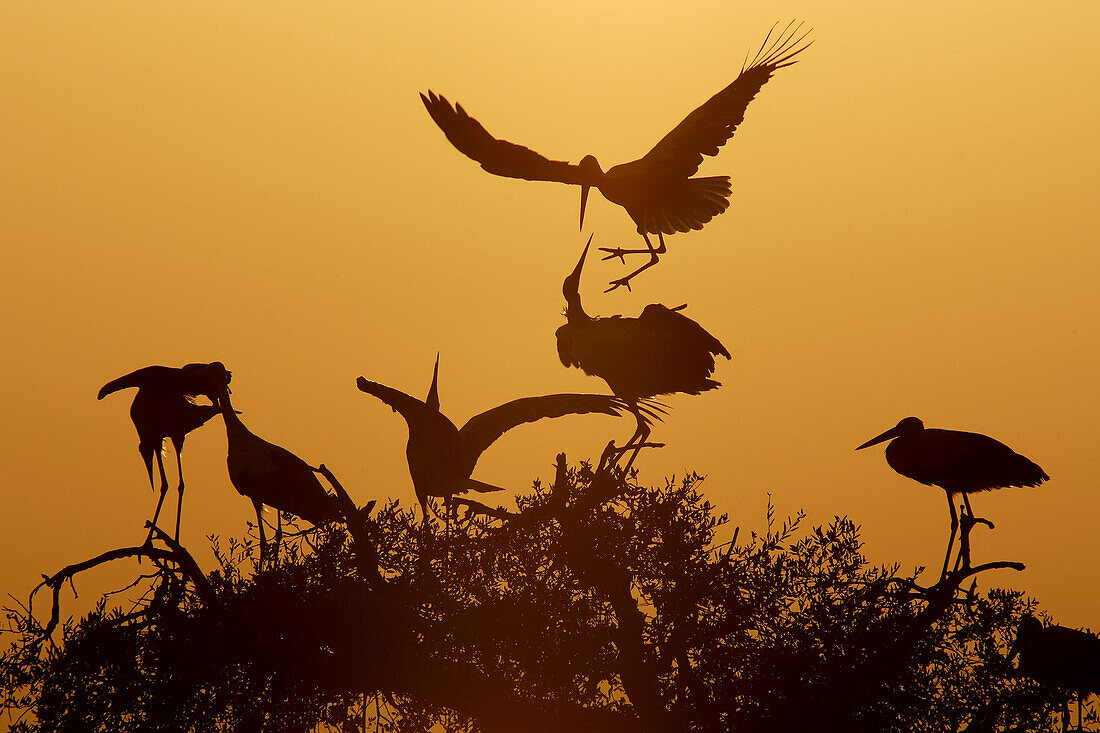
[{"x": 598, "y": 605}]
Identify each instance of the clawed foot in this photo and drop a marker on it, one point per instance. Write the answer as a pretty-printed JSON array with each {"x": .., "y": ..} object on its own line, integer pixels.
[
  {"x": 613, "y": 252},
  {"x": 621, "y": 282}
]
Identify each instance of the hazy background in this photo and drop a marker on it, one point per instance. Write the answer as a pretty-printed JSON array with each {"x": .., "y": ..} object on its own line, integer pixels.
[{"x": 912, "y": 232}]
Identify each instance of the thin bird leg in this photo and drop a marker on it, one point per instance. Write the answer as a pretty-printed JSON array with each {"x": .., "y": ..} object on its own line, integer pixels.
[
  {"x": 278, "y": 534},
  {"x": 640, "y": 435},
  {"x": 954, "y": 528},
  {"x": 163, "y": 492},
  {"x": 654, "y": 258},
  {"x": 178, "y": 445},
  {"x": 260, "y": 524}
]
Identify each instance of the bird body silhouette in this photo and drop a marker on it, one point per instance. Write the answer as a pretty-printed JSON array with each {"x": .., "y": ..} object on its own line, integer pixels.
[
  {"x": 163, "y": 409},
  {"x": 660, "y": 352},
  {"x": 441, "y": 456},
  {"x": 1059, "y": 656},
  {"x": 658, "y": 190},
  {"x": 956, "y": 461},
  {"x": 273, "y": 476}
]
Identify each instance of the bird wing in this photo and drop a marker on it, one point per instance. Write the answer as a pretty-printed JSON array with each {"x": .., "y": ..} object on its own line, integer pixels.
[
  {"x": 960, "y": 461},
  {"x": 680, "y": 152},
  {"x": 149, "y": 376},
  {"x": 482, "y": 430},
  {"x": 499, "y": 157},
  {"x": 395, "y": 398}
]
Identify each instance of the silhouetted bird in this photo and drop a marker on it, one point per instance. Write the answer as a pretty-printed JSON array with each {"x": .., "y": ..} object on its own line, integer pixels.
[
  {"x": 162, "y": 408},
  {"x": 659, "y": 352},
  {"x": 1059, "y": 656},
  {"x": 657, "y": 190},
  {"x": 956, "y": 461},
  {"x": 441, "y": 457},
  {"x": 271, "y": 475}
]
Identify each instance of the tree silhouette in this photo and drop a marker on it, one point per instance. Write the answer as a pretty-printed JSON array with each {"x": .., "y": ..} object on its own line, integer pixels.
[{"x": 598, "y": 604}]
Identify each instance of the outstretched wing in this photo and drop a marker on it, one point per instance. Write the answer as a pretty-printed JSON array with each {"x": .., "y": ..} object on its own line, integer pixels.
[
  {"x": 146, "y": 377},
  {"x": 499, "y": 157},
  {"x": 483, "y": 430},
  {"x": 680, "y": 152},
  {"x": 395, "y": 398}
]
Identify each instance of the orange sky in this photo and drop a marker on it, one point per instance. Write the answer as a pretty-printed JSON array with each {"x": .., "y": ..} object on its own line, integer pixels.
[{"x": 912, "y": 231}]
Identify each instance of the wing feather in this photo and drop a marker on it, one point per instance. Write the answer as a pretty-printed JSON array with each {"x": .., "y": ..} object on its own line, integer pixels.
[
  {"x": 499, "y": 157},
  {"x": 483, "y": 430},
  {"x": 680, "y": 152}
]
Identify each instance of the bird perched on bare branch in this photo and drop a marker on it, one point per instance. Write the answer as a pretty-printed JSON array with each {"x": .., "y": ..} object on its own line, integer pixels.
[
  {"x": 1059, "y": 656},
  {"x": 956, "y": 461},
  {"x": 660, "y": 352},
  {"x": 163, "y": 409},
  {"x": 273, "y": 476},
  {"x": 441, "y": 456},
  {"x": 657, "y": 190}
]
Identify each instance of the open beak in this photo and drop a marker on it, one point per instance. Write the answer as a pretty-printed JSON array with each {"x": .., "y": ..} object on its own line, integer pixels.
[
  {"x": 888, "y": 435},
  {"x": 584, "y": 202}
]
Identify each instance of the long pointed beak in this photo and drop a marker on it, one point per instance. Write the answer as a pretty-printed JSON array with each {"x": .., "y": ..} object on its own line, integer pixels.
[
  {"x": 584, "y": 202},
  {"x": 580, "y": 264},
  {"x": 889, "y": 434}
]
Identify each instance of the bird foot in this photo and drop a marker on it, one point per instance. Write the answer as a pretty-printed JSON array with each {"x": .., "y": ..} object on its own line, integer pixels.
[
  {"x": 619, "y": 252},
  {"x": 616, "y": 284}
]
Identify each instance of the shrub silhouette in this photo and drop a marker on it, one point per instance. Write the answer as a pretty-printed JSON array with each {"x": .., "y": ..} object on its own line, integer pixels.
[{"x": 597, "y": 605}]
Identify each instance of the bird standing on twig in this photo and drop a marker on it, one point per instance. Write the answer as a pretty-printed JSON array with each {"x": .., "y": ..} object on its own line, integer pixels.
[
  {"x": 1056, "y": 655},
  {"x": 657, "y": 190},
  {"x": 273, "y": 476},
  {"x": 659, "y": 352},
  {"x": 441, "y": 457},
  {"x": 956, "y": 461},
  {"x": 163, "y": 408}
]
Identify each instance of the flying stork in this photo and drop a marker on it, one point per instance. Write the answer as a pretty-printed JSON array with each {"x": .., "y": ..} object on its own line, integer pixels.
[{"x": 658, "y": 190}]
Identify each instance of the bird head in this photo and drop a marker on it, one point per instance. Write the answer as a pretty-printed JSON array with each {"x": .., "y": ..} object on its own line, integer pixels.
[
  {"x": 432, "y": 400},
  {"x": 591, "y": 168},
  {"x": 571, "y": 289},
  {"x": 1028, "y": 628},
  {"x": 907, "y": 426}
]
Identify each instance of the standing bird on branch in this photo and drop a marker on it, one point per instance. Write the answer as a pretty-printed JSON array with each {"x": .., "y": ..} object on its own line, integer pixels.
[
  {"x": 1059, "y": 656},
  {"x": 659, "y": 352},
  {"x": 441, "y": 456},
  {"x": 163, "y": 409},
  {"x": 657, "y": 190},
  {"x": 271, "y": 475},
  {"x": 956, "y": 461}
]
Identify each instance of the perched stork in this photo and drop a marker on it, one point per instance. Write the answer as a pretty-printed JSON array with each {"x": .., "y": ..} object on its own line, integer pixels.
[
  {"x": 657, "y": 190},
  {"x": 163, "y": 408},
  {"x": 271, "y": 475},
  {"x": 956, "y": 461},
  {"x": 659, "y": 352},
  {"x": 441, "y": 456},
  {"x": 1059, "y": 656}
]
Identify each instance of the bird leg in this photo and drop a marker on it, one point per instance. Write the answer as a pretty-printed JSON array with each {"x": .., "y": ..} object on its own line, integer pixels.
[
  {"x": 638, "y": 440},
  {"x": 278, "y": 534},
  {"x": 654, "y": 257},
  {"x": 954, "y": 528},
  {"x": 260, "y": 525},
  {"x": 178, "y": 444},
  {"x": 163, "y": 492}
]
